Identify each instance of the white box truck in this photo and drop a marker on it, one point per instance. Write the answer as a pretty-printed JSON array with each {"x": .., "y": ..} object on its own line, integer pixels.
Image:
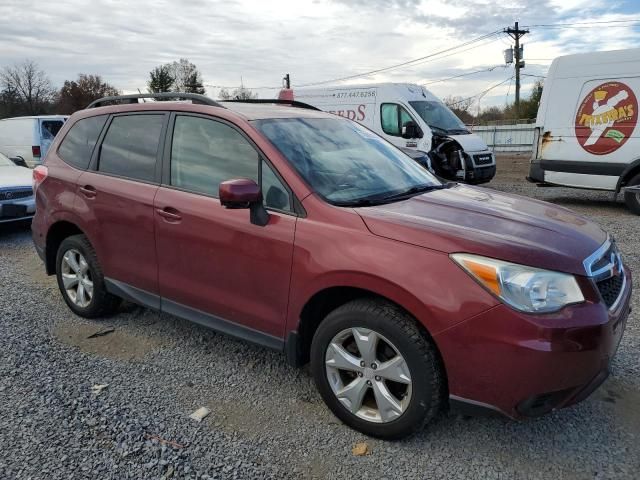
[
  {"x": 586, "y": 130},
  {"x": 413, "y": 119},
  {"x": 29, "y": 138}
]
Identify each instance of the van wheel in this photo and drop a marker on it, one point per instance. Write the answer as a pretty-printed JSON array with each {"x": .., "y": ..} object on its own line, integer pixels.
[
  {"x": 376, "y": 370},
  {"x": 633, "y": 199},
  {"x": 81, "y": 281}
]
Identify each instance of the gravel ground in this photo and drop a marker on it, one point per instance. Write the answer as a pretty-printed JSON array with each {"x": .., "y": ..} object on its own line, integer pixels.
[{"x": 266, "y": 421}]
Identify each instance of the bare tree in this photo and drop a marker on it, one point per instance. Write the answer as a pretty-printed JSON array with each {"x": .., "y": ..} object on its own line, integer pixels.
[
  {"x": 29, "y": 85},
  {"x": 186, "y": 77},
  {"x": 460, "y": 106},
  {"x": 240, "y": 93}
]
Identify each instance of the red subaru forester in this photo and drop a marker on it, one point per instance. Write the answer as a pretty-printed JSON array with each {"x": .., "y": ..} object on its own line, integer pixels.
[{"x": 307, "y": 233}]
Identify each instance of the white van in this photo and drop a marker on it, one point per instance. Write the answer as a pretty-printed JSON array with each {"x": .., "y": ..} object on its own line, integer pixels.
[
  {"x": 412, "y": 118},
  {"x": 586, "y": 130},
  {"x": 29, "y": 137}
]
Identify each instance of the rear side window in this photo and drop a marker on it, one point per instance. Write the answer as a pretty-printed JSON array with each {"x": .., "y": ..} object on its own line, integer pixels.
[
  {"x": 78, "y": 144},
  {"x": 50, "y": 128},
  {"x": 206, "y": 152},
  {"x": 130, "y": 147}
]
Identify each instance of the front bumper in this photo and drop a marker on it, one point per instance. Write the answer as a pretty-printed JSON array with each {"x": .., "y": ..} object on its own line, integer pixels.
[{"x": 526, "y": 365}]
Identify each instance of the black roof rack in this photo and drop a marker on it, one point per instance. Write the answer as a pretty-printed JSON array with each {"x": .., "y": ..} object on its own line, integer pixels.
[
  {"x": 292, "y": 103},
  {"x": 175, "y": 95}
]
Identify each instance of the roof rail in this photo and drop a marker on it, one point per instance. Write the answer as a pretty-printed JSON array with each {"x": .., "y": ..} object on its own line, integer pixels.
[
  {"x": 292, "y": 103},
  {"x": 175, "y": 95}
]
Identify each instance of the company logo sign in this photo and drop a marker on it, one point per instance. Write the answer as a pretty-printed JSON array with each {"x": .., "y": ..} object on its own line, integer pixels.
[{"x": 606, "y": 118}]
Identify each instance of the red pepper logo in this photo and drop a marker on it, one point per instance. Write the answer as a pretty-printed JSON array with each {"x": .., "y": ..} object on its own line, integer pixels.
[{"x": 606, "y": 118}]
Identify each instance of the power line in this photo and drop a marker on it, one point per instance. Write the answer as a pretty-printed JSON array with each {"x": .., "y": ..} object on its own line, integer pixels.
[
  {"x": 243, "y": 86},
  {"x": 584, "y": 24},
  {"x": 407, "y": 63},
  {"x": 531, "y": 75},
  {"x": 484, "y": 92},
  {"x": 464, "y": 75}
]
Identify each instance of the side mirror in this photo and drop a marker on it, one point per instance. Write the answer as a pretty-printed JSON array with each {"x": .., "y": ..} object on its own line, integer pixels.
[
  {"x": 19, "y": 161},
  {"x": 411, "y": 129},
  {"x": 244, "y": 193}
]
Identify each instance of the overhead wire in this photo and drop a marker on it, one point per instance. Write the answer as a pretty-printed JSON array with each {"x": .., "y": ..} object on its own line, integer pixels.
[{"x": 415, "y": 61}]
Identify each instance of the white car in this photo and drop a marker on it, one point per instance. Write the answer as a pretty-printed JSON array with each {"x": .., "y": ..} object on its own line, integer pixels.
[{"x": 17, "y": 201}]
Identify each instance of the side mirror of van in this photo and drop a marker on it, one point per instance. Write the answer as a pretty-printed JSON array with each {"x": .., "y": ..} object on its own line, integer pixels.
[
  {"x": 411, "y": 130},
  {"x": 244, "y": 193},
  {"x": 19, "y": 161}
]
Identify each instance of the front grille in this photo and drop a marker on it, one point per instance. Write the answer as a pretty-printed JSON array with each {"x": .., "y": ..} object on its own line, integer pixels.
[
  {"x": 15, "y": 194},
  {"x": 483, "y": 159},
  {"x": 610, "y": 288}
]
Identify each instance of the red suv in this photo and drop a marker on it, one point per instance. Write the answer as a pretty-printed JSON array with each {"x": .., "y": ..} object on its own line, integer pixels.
[{"x": 307, "y": 233}]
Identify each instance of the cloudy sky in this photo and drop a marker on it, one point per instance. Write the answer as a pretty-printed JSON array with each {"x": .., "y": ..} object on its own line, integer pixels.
[{"x": 259, "y": 41}]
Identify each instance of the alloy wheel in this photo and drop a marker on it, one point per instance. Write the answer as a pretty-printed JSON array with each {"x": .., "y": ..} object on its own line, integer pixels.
[
  {"x": 76, "y": 278},
  {"x": 368, "y": 375}
]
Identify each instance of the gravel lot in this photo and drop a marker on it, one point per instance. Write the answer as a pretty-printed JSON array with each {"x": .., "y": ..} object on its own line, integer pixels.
[{"x": 267, "y": 421}]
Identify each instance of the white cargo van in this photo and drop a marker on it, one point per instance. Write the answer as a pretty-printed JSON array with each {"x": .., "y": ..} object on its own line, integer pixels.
[
  {"x": 412, "y": 118},
  {"x": 29, "y": 137},
  {"x": 586, "y": 129}
]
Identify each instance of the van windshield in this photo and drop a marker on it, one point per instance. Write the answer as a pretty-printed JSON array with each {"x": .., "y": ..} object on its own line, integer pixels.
[
  {"x": 438, "y": 116},
  {"x": 344, "y": 162}
]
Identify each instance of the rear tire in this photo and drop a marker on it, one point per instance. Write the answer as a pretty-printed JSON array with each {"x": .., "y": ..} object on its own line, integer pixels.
[
  {"x": 633, "y": 199},
  {"x": 389, "y": 391},
  {"x": 81, "y": 281}
]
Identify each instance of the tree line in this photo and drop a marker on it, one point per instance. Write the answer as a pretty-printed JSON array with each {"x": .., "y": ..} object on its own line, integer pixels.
[
  {"x": 463, "y": 108},
  {"x": 25, "y": 89}
]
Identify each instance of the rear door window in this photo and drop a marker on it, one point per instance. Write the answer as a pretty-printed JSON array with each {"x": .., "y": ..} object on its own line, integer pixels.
[
  {"x": 77, "y": 147},
  {"x": 130, "y": 147}
]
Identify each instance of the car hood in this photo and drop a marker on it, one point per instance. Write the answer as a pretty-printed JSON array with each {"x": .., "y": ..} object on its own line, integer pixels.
[
  {"x": 490, "y": 223},
  {"x": 14, "y": 176},
  {"x": 470, "y": 142}
]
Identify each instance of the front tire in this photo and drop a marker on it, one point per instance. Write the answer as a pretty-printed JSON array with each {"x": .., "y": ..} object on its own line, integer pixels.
[
  {"x": 376, "y": 370},
  {"x": 81, "y": 281},
  {"x": 633, "y": 199}
]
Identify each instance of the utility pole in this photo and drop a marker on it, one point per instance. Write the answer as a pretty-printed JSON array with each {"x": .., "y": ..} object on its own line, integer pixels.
[{"x": 516, "y": 33}]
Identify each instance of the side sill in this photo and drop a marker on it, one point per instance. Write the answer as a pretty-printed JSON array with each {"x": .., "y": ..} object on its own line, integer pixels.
[
  {"x": 213, "y": 322},
  {"x": 221, "y": 325},
  {"x": 132, "y": 294}
]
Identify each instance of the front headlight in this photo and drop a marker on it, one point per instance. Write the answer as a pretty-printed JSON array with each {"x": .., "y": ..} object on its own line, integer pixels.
[{"x": 524, "y": 288}]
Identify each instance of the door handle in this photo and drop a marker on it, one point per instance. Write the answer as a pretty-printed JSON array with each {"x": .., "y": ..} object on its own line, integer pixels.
[
  {"x": 88, "y": 191},
  {"x": 169, "y": 214}
]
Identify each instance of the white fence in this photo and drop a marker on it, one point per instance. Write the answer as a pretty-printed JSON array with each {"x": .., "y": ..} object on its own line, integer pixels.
[{"x": 507, "y": 138}]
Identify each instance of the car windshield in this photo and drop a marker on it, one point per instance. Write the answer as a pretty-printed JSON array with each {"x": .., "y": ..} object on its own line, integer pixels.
[
  {"x": 438, "y": 116},
  {"x": 4, "y": 161},
  {"x": 344, "y": 162}
]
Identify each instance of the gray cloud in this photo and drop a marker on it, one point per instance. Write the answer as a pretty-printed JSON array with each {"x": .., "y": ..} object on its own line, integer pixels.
[{"x": 312, "y": 40}]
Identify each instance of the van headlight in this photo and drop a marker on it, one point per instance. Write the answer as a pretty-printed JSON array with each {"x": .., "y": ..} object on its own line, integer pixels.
[{"x": 524, "y": 288}]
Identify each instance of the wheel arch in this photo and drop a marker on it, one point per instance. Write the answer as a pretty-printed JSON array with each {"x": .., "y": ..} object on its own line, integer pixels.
[
  {"x": 55, "y": 235},
  {"x": 327, "y": 299},
  {"x": 629, "y": 172}
]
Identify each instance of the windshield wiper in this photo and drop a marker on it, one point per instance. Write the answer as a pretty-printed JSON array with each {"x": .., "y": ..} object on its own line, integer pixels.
[
  {"x": 440, "y": 129},
  {"x": 416, "y": 190},
  {"x": 359, "y": 202}
]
